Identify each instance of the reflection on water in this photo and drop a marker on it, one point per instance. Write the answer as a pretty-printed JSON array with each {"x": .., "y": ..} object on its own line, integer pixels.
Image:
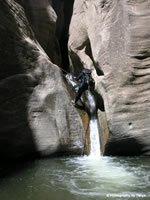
[{"x": 81, "y": 178}]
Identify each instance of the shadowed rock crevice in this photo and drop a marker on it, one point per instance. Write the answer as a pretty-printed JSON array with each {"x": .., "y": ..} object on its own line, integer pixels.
[
  {"x": 64, "y": 10},
  {"x": 125, "y": 147},
  {"x": 88, "y": 52}
]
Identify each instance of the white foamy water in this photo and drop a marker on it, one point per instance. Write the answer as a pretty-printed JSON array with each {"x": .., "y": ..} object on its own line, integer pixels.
[
  {"x": 94, "y": 129},
  {"x": 94, "y": 138}
]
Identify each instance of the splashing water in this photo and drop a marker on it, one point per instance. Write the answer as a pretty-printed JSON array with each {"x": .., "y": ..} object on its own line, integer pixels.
[
  {"x": 94, "y": 129},
  {"x": 78, "y": 178},
  {"x": 94, "y": 138}
]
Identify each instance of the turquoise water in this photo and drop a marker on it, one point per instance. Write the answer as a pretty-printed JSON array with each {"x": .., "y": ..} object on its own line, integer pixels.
[{"x": 78, "y": 178}]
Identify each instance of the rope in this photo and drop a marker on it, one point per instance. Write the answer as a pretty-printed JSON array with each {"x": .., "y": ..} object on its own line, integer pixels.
[{"x": 64, "y": 70}]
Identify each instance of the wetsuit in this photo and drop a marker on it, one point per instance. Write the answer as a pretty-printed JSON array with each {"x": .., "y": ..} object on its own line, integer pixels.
[{"x": 85, "y": 82}]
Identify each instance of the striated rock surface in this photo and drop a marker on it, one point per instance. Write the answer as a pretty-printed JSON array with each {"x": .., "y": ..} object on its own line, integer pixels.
[
  {"x": 113, "y": 38},
  {"x": 42, "y": 19},
  {"x": 35, "y": 110}
]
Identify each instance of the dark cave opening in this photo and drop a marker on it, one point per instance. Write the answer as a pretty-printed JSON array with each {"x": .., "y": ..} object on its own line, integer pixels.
[{"x": 64, "y": 10}]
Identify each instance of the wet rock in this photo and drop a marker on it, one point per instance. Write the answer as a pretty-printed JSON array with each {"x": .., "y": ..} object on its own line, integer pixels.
[
  {"x": 113, "y": 39},
  {"x": 35, "y": 110}
]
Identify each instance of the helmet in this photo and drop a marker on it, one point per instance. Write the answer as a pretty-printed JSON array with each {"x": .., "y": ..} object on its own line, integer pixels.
[{"x": 86, "y": 71}]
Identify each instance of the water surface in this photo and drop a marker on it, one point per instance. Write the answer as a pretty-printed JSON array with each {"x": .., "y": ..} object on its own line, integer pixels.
[{"x": 79, "y": 178}]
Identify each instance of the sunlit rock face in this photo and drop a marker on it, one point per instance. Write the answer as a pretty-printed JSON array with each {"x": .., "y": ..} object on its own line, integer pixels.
[
  {"x": 35, "y": 110},
  {"x": 113, "y": 37},
  {"x": 42, "y": 19}
]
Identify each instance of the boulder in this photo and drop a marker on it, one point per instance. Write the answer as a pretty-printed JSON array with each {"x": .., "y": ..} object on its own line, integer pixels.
[
  {"x": 113, "y": 39},
  {"x": 36, "y": 113}
]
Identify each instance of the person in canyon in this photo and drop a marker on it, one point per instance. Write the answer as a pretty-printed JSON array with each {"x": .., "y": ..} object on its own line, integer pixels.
[{"x": 85, "y": 81}]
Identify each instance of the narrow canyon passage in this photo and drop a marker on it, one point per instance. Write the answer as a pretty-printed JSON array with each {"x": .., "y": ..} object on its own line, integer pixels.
[
  {"x": 50, "y": 147},
  {"x": 64, "y": 10}
]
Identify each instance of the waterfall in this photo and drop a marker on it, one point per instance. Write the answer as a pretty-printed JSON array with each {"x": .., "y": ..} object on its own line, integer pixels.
[
  {"x": 90, "y": 107},
  {"x": 94, "y": 138},
  {"x": 95, "y": 149}
]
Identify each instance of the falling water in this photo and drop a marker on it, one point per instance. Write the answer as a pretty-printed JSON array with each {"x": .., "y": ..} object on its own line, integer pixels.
[
  {"x": 94, "y": 129},
  {"x": 94, "y": 138},
  {"x": 90, "y": 105}
]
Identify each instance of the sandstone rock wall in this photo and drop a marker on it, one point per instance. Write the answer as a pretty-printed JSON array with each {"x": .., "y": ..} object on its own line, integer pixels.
[
  {"x": 118, "y": 34},
  {"x": 42, "y": 19},
  {"x": 35, "y": 110}
]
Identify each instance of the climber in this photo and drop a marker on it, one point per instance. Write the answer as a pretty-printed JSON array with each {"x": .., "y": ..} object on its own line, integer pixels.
[{"x": 85, "y": 81}]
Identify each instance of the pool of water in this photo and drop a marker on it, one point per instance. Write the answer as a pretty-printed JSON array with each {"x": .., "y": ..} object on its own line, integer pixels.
[{"x": 78, "y": 178}]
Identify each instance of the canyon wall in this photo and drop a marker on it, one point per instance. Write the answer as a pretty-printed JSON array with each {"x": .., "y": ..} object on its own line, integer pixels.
[
  {"x": 112, "y": 37},
  {"x": 37, "y": 117}
]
